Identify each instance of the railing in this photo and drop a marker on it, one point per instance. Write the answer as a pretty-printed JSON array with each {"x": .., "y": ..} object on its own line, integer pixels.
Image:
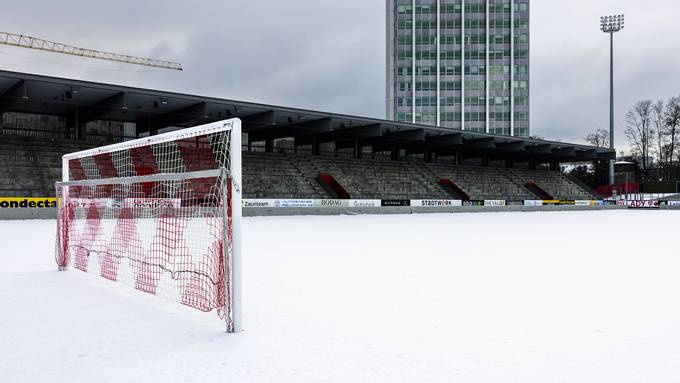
[
  {"x": 331, "y": 183},
  {"x": 24, "y": 132}
]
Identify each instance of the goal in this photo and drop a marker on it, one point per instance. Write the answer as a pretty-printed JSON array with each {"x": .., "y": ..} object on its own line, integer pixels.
[{"x": 161, "y": 214}]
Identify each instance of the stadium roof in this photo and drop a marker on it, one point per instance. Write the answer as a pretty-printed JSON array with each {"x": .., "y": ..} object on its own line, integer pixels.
[{"x": 83, "y": 101}]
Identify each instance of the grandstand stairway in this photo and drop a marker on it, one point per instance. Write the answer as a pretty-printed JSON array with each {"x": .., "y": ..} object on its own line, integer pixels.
[
  {"x": 374, "y": 179},
  {"x": 556, "y": 184},
  {"x": 454, "y": 189},
  {"x": 333, "y": 187},
  {"x": 449, "y": 187},
  {"x": 275, "y": 175},
  {"x": 539, "y": 191},
  {"x": 481, "y": 183}
]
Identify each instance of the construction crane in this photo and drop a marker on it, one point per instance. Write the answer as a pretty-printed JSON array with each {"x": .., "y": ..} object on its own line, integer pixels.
[{"x": 23, "y": 41}]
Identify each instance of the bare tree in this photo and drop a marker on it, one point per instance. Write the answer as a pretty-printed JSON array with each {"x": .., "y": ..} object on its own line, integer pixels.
[
  {"x": 659, "y": 126},
  {"x": 672, "y": 128},
  {"x": 599, "y": 139},
  {"x": 600, "y": 169},
  {"x": 640, "y": 132}
]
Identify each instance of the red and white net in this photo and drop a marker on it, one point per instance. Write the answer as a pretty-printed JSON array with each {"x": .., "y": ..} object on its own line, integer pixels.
[{"x": 156, "y": 217}]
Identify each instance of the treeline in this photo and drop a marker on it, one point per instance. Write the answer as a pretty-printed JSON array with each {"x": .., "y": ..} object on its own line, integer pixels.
[{"x": 653, "y": 131}]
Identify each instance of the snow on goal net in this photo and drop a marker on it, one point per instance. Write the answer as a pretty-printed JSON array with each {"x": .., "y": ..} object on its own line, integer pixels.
[{"x": 160, "y": 214}]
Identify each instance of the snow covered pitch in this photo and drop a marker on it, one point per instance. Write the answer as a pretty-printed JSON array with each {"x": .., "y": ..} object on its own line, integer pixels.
[{"x": 489, "y": 297}]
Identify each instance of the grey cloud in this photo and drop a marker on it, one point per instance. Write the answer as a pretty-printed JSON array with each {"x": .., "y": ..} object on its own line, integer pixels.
[{"x": 330, "y": 55}]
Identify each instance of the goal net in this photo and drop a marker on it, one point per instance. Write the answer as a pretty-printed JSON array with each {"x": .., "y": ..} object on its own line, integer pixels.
[{"x": 160, "y": 214}]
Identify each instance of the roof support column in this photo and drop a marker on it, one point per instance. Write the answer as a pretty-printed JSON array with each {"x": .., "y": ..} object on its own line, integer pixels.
[
  {"x": 73, "y": 122},
  {"x": 315, "y": 145},
  {"x": 554, "y": 165},
  {"x": 509, "y": 163}
]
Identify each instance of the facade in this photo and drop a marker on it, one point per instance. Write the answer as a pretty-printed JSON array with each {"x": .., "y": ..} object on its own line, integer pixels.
[{"x": 459, "y": 67}]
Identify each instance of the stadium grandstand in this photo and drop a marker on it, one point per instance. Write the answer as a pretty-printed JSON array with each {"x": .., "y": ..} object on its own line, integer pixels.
[{"x": 287, "y": 152}]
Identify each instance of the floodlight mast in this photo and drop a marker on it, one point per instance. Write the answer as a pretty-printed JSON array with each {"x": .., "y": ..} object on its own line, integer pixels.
[{"x": 611, "y": 25}]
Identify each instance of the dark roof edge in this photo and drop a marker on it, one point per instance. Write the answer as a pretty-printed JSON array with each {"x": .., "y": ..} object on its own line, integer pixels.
[{"x": 321, "y": 114}]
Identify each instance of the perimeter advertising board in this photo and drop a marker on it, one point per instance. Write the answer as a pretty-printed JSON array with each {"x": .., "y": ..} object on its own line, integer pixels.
[
  {"x": 278, "y": 203},
  {"x": 472, "y": 203},
  {"x": 27, "y": 203},
  {"x": 395, "y": 202},
  {"x": 436, "y": 203},
  {"x": 365, "y": 203},
  {"x": 311, "y": 203},
  {"x": 643, "y": 204},
  {"x": 331, "y": 203}
]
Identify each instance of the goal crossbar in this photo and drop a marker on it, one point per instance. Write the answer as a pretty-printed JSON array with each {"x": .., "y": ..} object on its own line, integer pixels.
[
  {"x": 201, "y": 130},
  {"x": 140, "y": 179}
]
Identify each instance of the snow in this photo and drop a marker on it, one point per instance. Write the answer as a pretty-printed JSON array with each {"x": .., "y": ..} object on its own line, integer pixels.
[{"x": 486, "y": 297}]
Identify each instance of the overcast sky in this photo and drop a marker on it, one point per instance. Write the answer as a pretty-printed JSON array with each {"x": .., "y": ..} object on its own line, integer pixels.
[{"x": 330, "y": 55}]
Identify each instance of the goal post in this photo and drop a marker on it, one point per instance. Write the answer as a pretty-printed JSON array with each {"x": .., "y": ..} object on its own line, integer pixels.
[{"x": 161, "y": 214}]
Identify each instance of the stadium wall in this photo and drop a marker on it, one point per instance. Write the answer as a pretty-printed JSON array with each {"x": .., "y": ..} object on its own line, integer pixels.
[{"x": 257, "y": 208}]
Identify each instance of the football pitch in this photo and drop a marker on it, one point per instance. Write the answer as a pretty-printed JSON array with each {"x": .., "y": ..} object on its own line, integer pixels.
[{"x": 487, "y": 297}]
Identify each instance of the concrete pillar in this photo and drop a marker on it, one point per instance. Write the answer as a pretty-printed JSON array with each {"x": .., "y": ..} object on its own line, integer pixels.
[
  {"x": 395, "y": 153},
  {"x": 485, "y": 160},
  {"x": 67, "y": 130},
  {"x": 269, "y": 145},
  {"x": 509, "y": 163},
  {"x": 315, "y": 145},
  {"x": 73, "y": 122}
]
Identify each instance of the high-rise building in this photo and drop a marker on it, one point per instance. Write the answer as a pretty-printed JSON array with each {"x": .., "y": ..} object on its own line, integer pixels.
[{"x": 460, "y": 64}]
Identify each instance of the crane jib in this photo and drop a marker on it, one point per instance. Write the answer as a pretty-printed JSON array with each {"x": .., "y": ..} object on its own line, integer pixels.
[{"x": 23, "y": 41}]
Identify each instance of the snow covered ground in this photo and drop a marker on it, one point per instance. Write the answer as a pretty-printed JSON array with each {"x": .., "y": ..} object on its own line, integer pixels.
[{"x": 489, "y": 297}]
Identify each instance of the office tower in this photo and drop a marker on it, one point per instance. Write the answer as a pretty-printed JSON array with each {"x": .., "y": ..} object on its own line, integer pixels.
[{"x": 460, "y": 64}]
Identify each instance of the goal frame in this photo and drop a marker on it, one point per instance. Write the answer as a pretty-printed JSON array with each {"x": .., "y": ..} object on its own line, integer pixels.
[{"x": 234, "y": 172}]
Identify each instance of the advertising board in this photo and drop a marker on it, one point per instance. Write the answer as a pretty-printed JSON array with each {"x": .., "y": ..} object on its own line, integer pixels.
[
  {"x": 643, "y": 204},
  {"x": 436, "y": 203},
  {"x": 395, "y": 202}
]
